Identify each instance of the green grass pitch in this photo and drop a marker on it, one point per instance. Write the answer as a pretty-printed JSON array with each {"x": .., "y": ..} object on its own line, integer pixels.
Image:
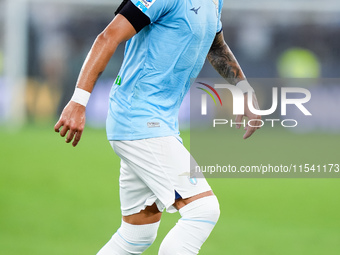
[{"x": 55, "y": 199}]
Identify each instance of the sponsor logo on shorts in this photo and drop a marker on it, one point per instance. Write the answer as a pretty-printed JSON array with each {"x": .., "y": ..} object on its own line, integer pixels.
[
  {"x": 144, "y": 5},
  {"x": 153, "y": 124}
]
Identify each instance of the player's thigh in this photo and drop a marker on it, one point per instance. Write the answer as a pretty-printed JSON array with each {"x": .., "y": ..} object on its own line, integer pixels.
[
  {"x": 149, "y": 215},
  {"x": 181, "y": 202}
]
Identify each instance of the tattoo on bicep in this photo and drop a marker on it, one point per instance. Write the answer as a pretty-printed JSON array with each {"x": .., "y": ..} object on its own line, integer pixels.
[{"x": 224, "y": 61}]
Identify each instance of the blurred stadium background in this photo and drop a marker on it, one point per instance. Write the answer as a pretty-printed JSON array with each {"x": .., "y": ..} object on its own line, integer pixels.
[{"x": 58, "y": 200}]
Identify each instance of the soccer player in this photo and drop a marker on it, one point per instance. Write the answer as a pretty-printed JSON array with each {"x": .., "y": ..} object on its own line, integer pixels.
[{"x": 167, "y": 44}]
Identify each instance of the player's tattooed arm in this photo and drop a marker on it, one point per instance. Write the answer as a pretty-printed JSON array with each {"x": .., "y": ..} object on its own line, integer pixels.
[{"x": 224, "y": 61}]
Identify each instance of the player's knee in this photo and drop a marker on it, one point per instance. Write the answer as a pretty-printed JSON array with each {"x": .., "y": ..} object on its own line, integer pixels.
[
  {"x": 213, "y": 209},
  {"x": 198, "y": 220},
  {"x": 131, "y": 239},
  {"x": 138, "y": 237},
  {"x": 203, "y": 209}
]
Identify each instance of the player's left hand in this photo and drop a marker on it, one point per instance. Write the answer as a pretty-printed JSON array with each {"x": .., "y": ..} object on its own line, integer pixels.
[
  {"x": 72, "y": 119},
  {"x": 255, "y": 123}
]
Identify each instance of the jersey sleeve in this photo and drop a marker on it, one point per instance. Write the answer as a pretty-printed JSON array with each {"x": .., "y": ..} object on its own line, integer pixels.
[
  {"x": 141, "y": 13},
  {"x": 154, "y": 9},
  {"x": 133, "y": 14},
  {"x": 219, "y": 25}
]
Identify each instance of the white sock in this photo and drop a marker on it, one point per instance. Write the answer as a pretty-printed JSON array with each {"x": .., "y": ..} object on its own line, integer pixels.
[
  {"x": 130, "y": 239},
  {"x": 198, "y": 220}
]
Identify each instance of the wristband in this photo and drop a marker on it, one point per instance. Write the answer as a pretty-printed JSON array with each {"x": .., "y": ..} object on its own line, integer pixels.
[
  {"x": 81, "y": 96},
  {"x": 244, "y": 86}
]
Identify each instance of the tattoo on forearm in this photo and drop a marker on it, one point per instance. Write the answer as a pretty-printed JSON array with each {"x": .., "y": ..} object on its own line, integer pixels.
[{"x": 223, "y": 60}]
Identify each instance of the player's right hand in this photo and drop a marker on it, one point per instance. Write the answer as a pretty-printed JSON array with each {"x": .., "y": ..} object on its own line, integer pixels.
[{"x": 72, "y": 120}]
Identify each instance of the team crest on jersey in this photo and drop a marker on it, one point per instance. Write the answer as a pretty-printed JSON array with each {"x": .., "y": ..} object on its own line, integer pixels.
[{"x": 144, "y": 5}]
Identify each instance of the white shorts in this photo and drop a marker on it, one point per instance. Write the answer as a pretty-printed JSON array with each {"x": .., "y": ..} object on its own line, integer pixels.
[{"x": 152, "y": 170}]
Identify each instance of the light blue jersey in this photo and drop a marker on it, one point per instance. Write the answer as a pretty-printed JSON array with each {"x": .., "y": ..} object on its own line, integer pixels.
[{"x": 159, "y": 65}]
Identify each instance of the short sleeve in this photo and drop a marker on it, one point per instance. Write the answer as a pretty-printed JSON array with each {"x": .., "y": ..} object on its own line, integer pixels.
[
  {"x": 154, "y": 9},
  {"x": 220, "y": 6},
  {"x": 136, "y": 18}
]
